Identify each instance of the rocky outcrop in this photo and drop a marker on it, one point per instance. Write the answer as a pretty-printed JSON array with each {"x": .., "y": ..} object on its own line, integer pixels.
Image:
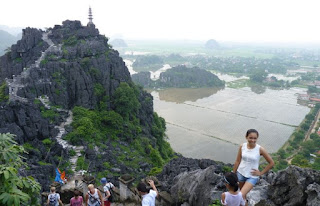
[
  {"x": 147, "y": 63},
  {"x": 31, "y": 128},
  {"x": 180, "y": 77},
  {"x": 313, "y": 191},
  {"x": 197, "y": 187},
  {"x": 291, "y": 187},
  {"x": 143, "y": 79},
  {"x": 23, "y": 54},
  {"x": 25, "y": 121},
  {"x": 180, "y": 165},
  {"x": 69, "y": 76},
  {"x": 212, "y": 44},
  {"x": 118, "y": 43}
]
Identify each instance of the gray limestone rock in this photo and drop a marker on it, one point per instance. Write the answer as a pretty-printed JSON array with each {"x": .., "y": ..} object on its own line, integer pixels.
[
  {"x": 313, "y": 191},
  {"x": 292, "y": 186},
  {"x": 288, "y": 186},
  {"x": 198, "y": 187}
]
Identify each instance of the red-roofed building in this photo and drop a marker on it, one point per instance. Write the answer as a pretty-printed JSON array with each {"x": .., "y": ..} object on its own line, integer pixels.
[{"x": 314, "y": 99}]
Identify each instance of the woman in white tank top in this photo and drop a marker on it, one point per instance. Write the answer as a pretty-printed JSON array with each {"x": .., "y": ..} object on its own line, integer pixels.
[{"x": 247, "y": 162}]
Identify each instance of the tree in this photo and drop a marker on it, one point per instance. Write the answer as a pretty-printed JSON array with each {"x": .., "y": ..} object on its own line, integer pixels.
[
  {"x": 310, "y": 117},
  {"x": 282, "y": 153},
  {"x": 298, "y": 137},
  {"x": 314, "y": 136},
  {"x": 295, "y": 82},
  {"x": 14, "y": 189},
  {"x": 300, "y": 161},
  {"x": 258, "y": 76},
  {"x": 125, "y": 101},
  {"x": 313, "y": 89},
  {"x": 305, "y": 126}
]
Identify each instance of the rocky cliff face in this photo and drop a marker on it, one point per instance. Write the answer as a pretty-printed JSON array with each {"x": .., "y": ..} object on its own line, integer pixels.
[
  {"x": 68, "y": 73},
  {"x": 68, "y": 65},
  {"x": 200, "y": 182},
  {"x": 23, "y": 54}
]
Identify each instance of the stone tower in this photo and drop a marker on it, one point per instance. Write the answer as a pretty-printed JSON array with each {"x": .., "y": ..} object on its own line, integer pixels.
[{"x": 90, "y": 23}]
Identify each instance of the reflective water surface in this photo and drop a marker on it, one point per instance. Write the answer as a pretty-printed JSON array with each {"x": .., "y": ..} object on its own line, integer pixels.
[{"x": 209, "y": 123}]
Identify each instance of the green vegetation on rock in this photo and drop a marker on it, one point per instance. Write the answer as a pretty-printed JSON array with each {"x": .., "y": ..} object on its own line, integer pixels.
[
  {"x": 3, "y": 95},
  {"x": 71, "y": 41},
  {"x": 148, "y": 63},
  {"x": 117, "y": 125}
]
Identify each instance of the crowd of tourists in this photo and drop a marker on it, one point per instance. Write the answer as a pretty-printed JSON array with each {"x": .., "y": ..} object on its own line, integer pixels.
[{"x": 239, "y": 182}]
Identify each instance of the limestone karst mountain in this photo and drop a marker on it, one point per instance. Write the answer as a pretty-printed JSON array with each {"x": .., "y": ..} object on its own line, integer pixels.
[
  {"x": 212, "y": 44},
  {"x": 118, "y": 43},
  {"x": 69, "y": 99}
]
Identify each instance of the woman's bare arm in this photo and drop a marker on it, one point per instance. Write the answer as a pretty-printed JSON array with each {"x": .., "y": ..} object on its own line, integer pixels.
[{"x": 238, "y": 160}]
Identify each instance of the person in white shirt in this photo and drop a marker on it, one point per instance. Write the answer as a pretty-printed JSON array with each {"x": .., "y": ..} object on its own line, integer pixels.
[
  {"x": 233, "y": 197},
  {"x": 246, "y": 165},
  {"x": 107, "y": 187},
  {"x": 148, "y": 196},
  {"x": 54, "y": 198},
  {"x": 93, "y": 197}
]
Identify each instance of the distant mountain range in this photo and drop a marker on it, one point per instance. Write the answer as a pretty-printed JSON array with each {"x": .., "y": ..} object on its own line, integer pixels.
[
  {"x": 15, "y": 31},
  {"x": 6, "y": 40},
  {"x": 8, "y": 36}
]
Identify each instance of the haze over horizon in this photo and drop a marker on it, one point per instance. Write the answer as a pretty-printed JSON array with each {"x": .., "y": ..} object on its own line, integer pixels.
[{"x": 238, "y": 21}]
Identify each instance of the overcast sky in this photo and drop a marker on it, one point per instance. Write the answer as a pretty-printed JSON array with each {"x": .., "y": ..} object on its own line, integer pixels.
[{"x": 223, "y": 20}]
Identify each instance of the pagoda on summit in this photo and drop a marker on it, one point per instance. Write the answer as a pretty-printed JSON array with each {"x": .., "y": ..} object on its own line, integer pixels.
[{"x": 90, "y": 23}]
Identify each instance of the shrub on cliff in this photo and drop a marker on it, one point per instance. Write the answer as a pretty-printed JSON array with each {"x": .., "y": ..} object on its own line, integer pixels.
[
  {"x": 3, "y": 95},
  {"x": 122, "y": 124},
  {"x": 125, "y": 101},
  {"x": 14, "y": 189}
]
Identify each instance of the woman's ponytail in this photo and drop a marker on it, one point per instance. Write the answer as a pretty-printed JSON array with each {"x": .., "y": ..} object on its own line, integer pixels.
[
  {"x": 236, "y": 187},
  {"x": 232, "y": 179}
]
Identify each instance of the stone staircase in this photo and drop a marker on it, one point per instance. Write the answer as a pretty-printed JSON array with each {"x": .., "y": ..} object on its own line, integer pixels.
[
  {"x": 17, "y": 81},
  {"x": 66, "y": 145},
  {"x": 76, "y": 180}
]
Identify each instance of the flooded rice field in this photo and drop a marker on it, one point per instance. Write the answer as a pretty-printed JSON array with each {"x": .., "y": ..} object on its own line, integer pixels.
[{"x": 211, "y": 123}]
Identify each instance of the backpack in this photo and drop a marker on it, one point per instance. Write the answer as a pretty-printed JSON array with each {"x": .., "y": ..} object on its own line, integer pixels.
[
  {"x": 110, "y": 198},
  {"x": 53, "y": 199}
]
